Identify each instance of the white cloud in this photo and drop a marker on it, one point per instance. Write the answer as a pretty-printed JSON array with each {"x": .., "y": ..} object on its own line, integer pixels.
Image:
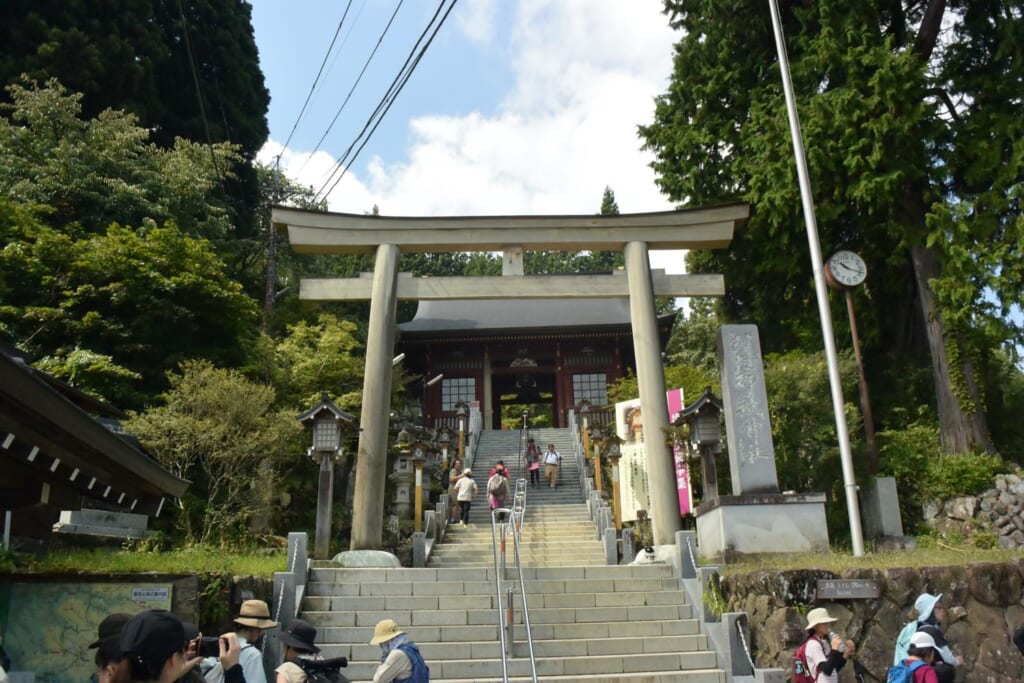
[
  {"x": 475, "y": 18},
  {"x": 585, "y": 75}
]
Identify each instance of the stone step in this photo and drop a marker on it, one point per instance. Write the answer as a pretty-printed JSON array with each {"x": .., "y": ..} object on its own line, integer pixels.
[
  {"x": 324, "y": 571},
  {"x": 608, "y": 665},
  {"x": 337, "y": 636},
  {"x": 483, "y": 586},
  {"x": 353, "y": 603},
  {"x": 704, "y": 676},
  {"x": 472, "y": 617}
]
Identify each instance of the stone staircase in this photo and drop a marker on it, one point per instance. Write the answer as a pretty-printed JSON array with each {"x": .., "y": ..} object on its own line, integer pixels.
[
  {"x": 622, "y": 623},
  {"x": 590, "y": 621}
]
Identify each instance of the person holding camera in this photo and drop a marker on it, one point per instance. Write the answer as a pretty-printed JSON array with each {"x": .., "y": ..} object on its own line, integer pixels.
[
  {"x": 826, "y": 653},
  {"x": 252, "y": 620},
  {"x": 153, "y": 650},
  {"x": 298, "y": 643}
]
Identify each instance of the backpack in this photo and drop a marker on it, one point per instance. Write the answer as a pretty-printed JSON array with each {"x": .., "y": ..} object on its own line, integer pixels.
[
  {"x": 322, "y": 670},
  {"x": 903, "y": 643},
  {"x": 496, "y": 486},
  {"x": 420, "y": 670},
  {"x": 903, "y": 673},
  {"x": 802, "y": 672}
]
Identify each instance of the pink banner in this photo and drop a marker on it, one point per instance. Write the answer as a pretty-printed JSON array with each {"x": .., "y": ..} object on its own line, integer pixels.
[{"x": 675, "y": 399}]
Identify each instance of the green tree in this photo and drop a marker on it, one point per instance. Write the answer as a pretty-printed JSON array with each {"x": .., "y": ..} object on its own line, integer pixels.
[
  {"x": 144, "y": 299},
  {"x": 219, "y": 430},
  {"x": 183, "y": 68},
  {"x": 914, "y": 147},
  {"x": 609, "y": 207},
  {"x": 97, "y": 171}
]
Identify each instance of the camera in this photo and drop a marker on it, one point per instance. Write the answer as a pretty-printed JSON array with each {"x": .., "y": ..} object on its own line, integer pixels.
[{"x": 209, "y": 646}]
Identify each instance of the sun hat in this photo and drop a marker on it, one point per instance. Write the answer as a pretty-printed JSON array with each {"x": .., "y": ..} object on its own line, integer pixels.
[
  {"x": 255, "y": 613},
  {"x": 925, "y": 605},
  {"x": 922, "y": 639},
  {"x": 300, "y": 635},
  {"x": 151, "y": 637},
  {"x": 110, "y": 627},
  {"x": 384, "y": 631},
  {"x": 467, "y": 471},
  {"x": 818, "y": 615}
]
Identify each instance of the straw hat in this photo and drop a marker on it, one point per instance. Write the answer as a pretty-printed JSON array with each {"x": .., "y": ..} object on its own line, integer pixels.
[
  {"x": 255, "y": 613},
  {"x": 818, "y": 615},
  {"x": 385, "y": 631}
]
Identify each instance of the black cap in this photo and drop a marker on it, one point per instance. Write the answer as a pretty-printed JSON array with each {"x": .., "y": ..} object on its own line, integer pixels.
[
  {"x": 936, "y": 633},
  {"x": 110, "y": 627},
  {"x": 300, "y": 635},
  {"x": 151, "y": 637}
]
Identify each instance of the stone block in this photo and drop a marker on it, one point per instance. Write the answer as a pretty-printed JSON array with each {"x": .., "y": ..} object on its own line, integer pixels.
[
  {"x": 745, "y": 403},
  {"x": 881, "y": 508},
  {"x": 780, "y": 523}
]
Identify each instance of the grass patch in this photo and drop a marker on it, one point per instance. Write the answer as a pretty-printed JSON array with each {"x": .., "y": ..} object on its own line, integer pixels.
[
  {"x": 185, "y": 561},
  {"x": 929, "y": 553}
]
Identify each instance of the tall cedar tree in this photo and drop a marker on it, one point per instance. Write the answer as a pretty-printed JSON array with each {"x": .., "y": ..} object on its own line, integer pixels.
[
  {"x": 915, "y": 150},
  {"x": 139, "y": 56}
]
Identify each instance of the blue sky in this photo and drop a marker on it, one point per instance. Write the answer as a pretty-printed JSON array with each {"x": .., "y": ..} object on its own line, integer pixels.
[{"x": 518, "y": 107}]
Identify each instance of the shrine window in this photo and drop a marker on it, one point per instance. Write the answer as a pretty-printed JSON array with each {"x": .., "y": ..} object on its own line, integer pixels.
[
  {"x": 592, "y": 386},
  {"x": 455, "y": 390}
]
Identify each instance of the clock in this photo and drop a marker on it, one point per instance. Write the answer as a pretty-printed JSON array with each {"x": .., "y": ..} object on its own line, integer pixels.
[{"x": 845, "y": 269}]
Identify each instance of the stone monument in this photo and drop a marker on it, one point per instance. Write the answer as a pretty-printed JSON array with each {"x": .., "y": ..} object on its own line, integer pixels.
[{"x": 756, "y": 518}]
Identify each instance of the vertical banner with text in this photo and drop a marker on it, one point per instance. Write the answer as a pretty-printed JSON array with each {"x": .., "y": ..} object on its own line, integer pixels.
[{"x": 676, "y": 403}]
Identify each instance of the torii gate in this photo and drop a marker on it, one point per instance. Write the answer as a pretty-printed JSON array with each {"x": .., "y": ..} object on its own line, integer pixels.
[{"x": 311, "y": 232}]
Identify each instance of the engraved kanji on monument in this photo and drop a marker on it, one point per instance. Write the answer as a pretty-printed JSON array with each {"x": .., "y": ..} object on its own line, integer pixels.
[{"x": 745, "y": 401}]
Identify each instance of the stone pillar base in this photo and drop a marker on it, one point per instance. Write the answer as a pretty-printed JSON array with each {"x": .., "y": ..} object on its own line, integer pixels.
[{"x": 753, "y": 524}]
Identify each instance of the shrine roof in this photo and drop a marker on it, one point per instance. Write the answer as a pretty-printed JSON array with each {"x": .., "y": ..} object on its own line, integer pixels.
[{"x": 517, "y": 314}]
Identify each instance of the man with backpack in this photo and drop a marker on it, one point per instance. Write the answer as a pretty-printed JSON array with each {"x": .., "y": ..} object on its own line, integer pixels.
[
  {"x": 822, "y": 654},
  {"x": 400, "y": 659},
  {"x": 916, "y": 668}
]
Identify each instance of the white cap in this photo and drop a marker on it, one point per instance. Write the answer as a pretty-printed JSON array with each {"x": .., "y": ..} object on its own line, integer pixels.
[{"x": 921, "y": 639}]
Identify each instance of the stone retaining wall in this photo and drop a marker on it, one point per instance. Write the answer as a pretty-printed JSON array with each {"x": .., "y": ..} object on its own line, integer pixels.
[
  {"x": 999, "y": 510},
  {"x": 985, "y": 602}
]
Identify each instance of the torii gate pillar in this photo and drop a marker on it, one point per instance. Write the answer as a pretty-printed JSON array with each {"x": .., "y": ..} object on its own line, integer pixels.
[
  {"x": 650, "y": 379},
  {"x": 371, "y": 463}
]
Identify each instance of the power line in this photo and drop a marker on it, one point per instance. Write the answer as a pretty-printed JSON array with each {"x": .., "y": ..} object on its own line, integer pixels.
[
  {"x": 388, "y": 99},
  {"x": 319, "y": 72},
  {"x": 349, "y": 95}
]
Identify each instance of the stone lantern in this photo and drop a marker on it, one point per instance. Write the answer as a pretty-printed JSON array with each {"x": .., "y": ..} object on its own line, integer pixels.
[
  {"x": 327, "y": 422},
  {"x": 462, "y": 411},
  {"x": 614, "y": 444}
]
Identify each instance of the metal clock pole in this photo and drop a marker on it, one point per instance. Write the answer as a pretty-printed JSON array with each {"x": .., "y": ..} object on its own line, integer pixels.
[
  {"x": 849, "y": 481},
  {"x": 839, "y": 274}
]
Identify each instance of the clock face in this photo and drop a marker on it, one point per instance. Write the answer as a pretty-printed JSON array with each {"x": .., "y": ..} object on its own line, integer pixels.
[{"x": 847, "y": 268}]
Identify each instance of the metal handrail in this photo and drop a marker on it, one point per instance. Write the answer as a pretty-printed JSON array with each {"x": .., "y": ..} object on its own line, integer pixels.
[{"x": 512, "y": 527}]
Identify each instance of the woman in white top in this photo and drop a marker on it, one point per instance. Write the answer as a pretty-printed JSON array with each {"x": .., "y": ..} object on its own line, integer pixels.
[
  {"x": 465, "y": 492},
  {"x": 825, "y": 656}
]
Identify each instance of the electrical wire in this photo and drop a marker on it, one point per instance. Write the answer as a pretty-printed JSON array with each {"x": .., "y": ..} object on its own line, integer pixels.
[
  {"x": 386, "y": 101},
  {"x": 319, "y": 72},
  {"x": 349, "y": 95}
]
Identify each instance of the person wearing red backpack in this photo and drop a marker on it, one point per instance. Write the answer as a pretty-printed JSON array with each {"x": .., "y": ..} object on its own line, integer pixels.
[
  {"x": 822, "y": 654},
  {"x": 916, "y": 668}
]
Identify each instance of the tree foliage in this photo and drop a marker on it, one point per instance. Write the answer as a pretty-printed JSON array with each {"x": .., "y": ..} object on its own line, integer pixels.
[
  {"x": 219, "y": 430},
  {"x": 184, "y": 68},
  {"x": 914, "y": 148},
  {"x": 92, "y": 172},
  {"x": 144, "y": 299}
]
